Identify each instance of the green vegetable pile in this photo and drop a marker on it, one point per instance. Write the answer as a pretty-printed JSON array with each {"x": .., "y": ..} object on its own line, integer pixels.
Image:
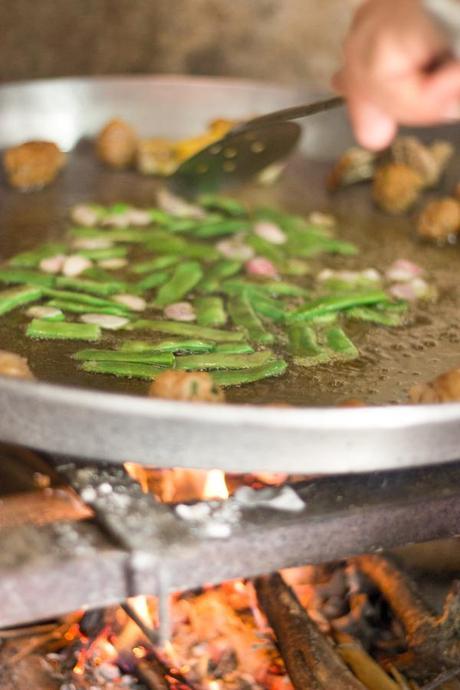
[{"x": 242, "y": 273}]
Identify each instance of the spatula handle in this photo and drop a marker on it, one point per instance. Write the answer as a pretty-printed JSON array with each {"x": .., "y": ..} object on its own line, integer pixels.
[{"x": 296, "y": 112}]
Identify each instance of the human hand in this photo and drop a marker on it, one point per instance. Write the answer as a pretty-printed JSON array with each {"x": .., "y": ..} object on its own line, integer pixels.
[{"x": 389, "y": 75}]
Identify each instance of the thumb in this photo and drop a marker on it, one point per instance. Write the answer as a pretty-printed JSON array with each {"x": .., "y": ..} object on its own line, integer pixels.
[{"x": 373, "y": 128}]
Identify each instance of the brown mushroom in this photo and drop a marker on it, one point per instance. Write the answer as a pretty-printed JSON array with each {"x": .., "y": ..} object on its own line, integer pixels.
[
  {"x": 116, "y": 144},
  {"x": 14, "y": 366},
  {"x": 428, "y": 161},
  {"x": 445, "y": 388},
  {"x": 33, "y": 165},
  {"x": 396, "y": 187},
  {"x": 181, "y": 385},
  {"x": 156, "y": 157},
  {"x": 355, "y": 165},
  {"x": 439, "y": 219}
]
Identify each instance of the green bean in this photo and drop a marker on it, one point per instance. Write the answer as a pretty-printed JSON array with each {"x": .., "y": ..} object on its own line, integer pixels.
[
  {"x": 76, "y": 308},
  {"x": 277, "y": 367},
  {"x": 221, "y": 228},
  {"x": 341, "y": 344},
  {"x": 18, "y": 276},
  {"x": 203, "y": 252},
  {"x": 309, "y": 244},
  {"x": 335, "y": 303},
  {"x": 218, "y": 360},
  {"x": 185, "y": 346},
  {"x": 17, "y": 297},
  {"x": 180, "y": 225},
  {"x": 226, "y": 205},
  {"x": 304, "y": 346},
  {"x": 244, "y": 317},
  {"x": 222, "y": 269},
  {"x": 275, "y": 288},
  {"x": 152, "y": 281},
  {"x": 234, "y": 348},
  {"x": 271, "y": 309},
  {"x": 210, "y": 311},
  {"x": 266, "y": 249},
  {"x": 157, "y": 264},
  {"x": 62, "y": 330},
  {"x": 118, "y": 208},
  {"x": 380, "y": 317},
  {"x": 32, "y": 258},
  {"x": 98, "y": 274},
  {"x": 102, "y": 254},
  {"x": 91, "y": 286},
  {"x": 294, "y": 267},
  {"x": 159, "y": 217},
  {"x": 188, "y": 330},
  {"x": 185, "y": 277},
  {"x": 82, "y": 298},
  {"x": 122, "y": 235},
  {"x": 161, "y": 359},
  {"x": 130, "y": 370}
]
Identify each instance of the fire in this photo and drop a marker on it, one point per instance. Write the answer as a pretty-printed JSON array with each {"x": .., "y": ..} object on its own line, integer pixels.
[{"x": 215, "y": 485}]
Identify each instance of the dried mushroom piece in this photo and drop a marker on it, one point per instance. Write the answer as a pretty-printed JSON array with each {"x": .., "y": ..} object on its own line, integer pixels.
[
  {"x": 396, "y": 187},
  {"x": 355, "y": 165},
  {"x": 440, "y": 219},
  {"x": 116, "y": 144},
  {"x": 33, "y": 165},
  {"x": 191, "y": 387},
  {"x": 428, "y": 161},
  {"x": 14, "y": 366},
  {"x": 445, "y": 388}
]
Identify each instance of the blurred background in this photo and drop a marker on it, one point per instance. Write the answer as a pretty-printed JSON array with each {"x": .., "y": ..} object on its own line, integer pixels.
[{"x": 284, "y": 40}]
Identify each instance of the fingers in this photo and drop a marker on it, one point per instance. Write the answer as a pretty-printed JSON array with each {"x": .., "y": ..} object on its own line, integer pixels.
[{"x": 374, "y": 129}]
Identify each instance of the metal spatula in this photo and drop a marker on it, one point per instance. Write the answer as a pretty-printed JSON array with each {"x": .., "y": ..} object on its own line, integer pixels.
[{"x": 246, "y": 150}]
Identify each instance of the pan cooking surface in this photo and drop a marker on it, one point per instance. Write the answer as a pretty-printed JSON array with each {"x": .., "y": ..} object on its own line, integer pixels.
[{"x": 392, "y": 359}]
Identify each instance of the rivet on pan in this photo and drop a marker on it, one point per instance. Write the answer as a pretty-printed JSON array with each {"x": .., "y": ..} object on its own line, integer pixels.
[
  {"x": 215, "y": 150},
  {"x": 230, "y": 152},
  {"x": 257, "y": 147},
  {"x": 251, "y": 136},
  {"x": 229, "y": 166},
  {"x": 202, "y": 168}
]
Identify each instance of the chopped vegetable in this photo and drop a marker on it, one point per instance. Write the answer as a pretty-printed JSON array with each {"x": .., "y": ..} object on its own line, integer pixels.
[
  {"x": 23, "y": 276},
  {"x": 185, "y": 277},
  {"x": 78, "y": 308},
  {"x": 188, "y": 330},
  {"x": 175, "y": 346},
  {"x": 304, "y": 346},
  {"x": 82, "y": 298},
  {"x": 180, "y": 311},
  {"x": 259, "y": 266},
  {"x": 52, "y": 264},
  {"x": 17, "y": 297},
  {"x": 210, "y": 311},
  {"x": 220, "y": 270},
  {"x": 45, "y": 312},
  {"x": 271, "y": 232},
  {"x": 244, "y": 317},
  {"x": 224, "y": 204},
  {"x": 378, "y": 316},
  {"x": 49, "y": 330},
  {"x": 234, "y": 348},
  {"x": 153, "y": 280},
  {"x": 236, "y": 378},
  {"x": 157, "y": 264},
  {"x": 130, "y": 370},
  {"x": 341, "y": 344},
  {"x": 32, "y": 258},
  {"x": 103, "y": 253},
  {"x": 335, "y": 303},
  {"x": 74, "y": 265},
  {"x": 133, "y": 302},
  {"x": 164, "y": 359},
  {"x": 222, "y": 227},
  {"x": 90, "y": 286},
  {"x": 106, "y": 321},
  {"x": 219, "y": 360}
]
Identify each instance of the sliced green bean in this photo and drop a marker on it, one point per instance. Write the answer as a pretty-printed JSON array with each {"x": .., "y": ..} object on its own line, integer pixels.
[
  {"x": 310, "y": 244},
  {"x": 17, "y": 297},
  {"x": 234, "y": 348},
  {"x": 32, "y": 258},
  {"x": 187, "y": 330},
  {"x": 214, "y": 276},
  {"x": 91, "y": 286},
  {"x": 244, "y": 317},
  {"x": 304, "y": 346},
  {"x": 266, "y": 249},
  {"x": 219, "y": 360},
  {"x": 24, "y": 276},
  {"x": 129, "y": 235},
  {"x": 225, "y": 204},
  {"x": 43, "y": 329},
  {"x": 294, "y": 267},
  {"x": 380, "y": 317},
  {"x": 271, "y": 309},
  {"x": 277, "y": 367},
  {"x": 83, "y": 298},
  {"x": 157, "y": 264},
  {"x": 159, "y": 217},
  {"x": 203, "y": 252},
  {"x": 185, "y": 277},
  {"x": 102, "y": 254},
  {"x": 77, "y": 308},
  {"x": 210, "y": 311},
  {"x": 130, "y": 370},
  {"x": 341, "y": 344},
  {"x": 175, "y": 346},
  {"x": 335, "y": 303},
  {"x": 166, "y": 244},
  {"x": 98, "y": 274},
  {"x": 161, "y": 359},
  {"x": 221, "y": 228},
  {"x": 274, "y": 288},
  {"x": 153, "y": 280}
]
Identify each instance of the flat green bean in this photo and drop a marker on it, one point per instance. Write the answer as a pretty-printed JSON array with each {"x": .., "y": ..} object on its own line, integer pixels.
[
  {"x": 43, "y": 329},
  {"x": 130, "y": 370},
  {"x": 341, "y": 344},
  {"x": 156, "y": 264},
  {"x": 185, "y": 277},
  {"x": 277, "y": 367},
  {"x": 244, "y": 317},
  {"x": 90, "y": 286},
  {"x": 225, "y": 204},
  {"x": 24, "y": 276},
  {"x": 219, "y": 360},
  {"x": 175, "y": 346},
  {"x": 17, "y": 297},
  {"x": 210, "y": 311},
  {"x": 221, "y": 228},
  {"x": 102, "y": 254},
  {"x": 161, "y": 359},
  {"x": 220, "y": 270},
  {"x": 234, "y": 348},
  {"x": 188, "y": 330},
  {"x": 335, "y": 303},
  {"x": 32, "y": 258},
  {"x": 153, "y": 280},
  {"x": 78, "y": 308}
]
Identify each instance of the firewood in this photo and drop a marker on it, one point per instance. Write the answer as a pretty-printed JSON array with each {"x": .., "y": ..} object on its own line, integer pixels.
[
  {"x": 369, "y": 672},
  {"x": 435, "y": 640},
  {"x": 310, "y": 658}
]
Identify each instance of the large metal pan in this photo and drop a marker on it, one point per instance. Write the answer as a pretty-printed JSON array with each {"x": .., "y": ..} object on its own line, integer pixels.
[{"x": 64, "y": 412}]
